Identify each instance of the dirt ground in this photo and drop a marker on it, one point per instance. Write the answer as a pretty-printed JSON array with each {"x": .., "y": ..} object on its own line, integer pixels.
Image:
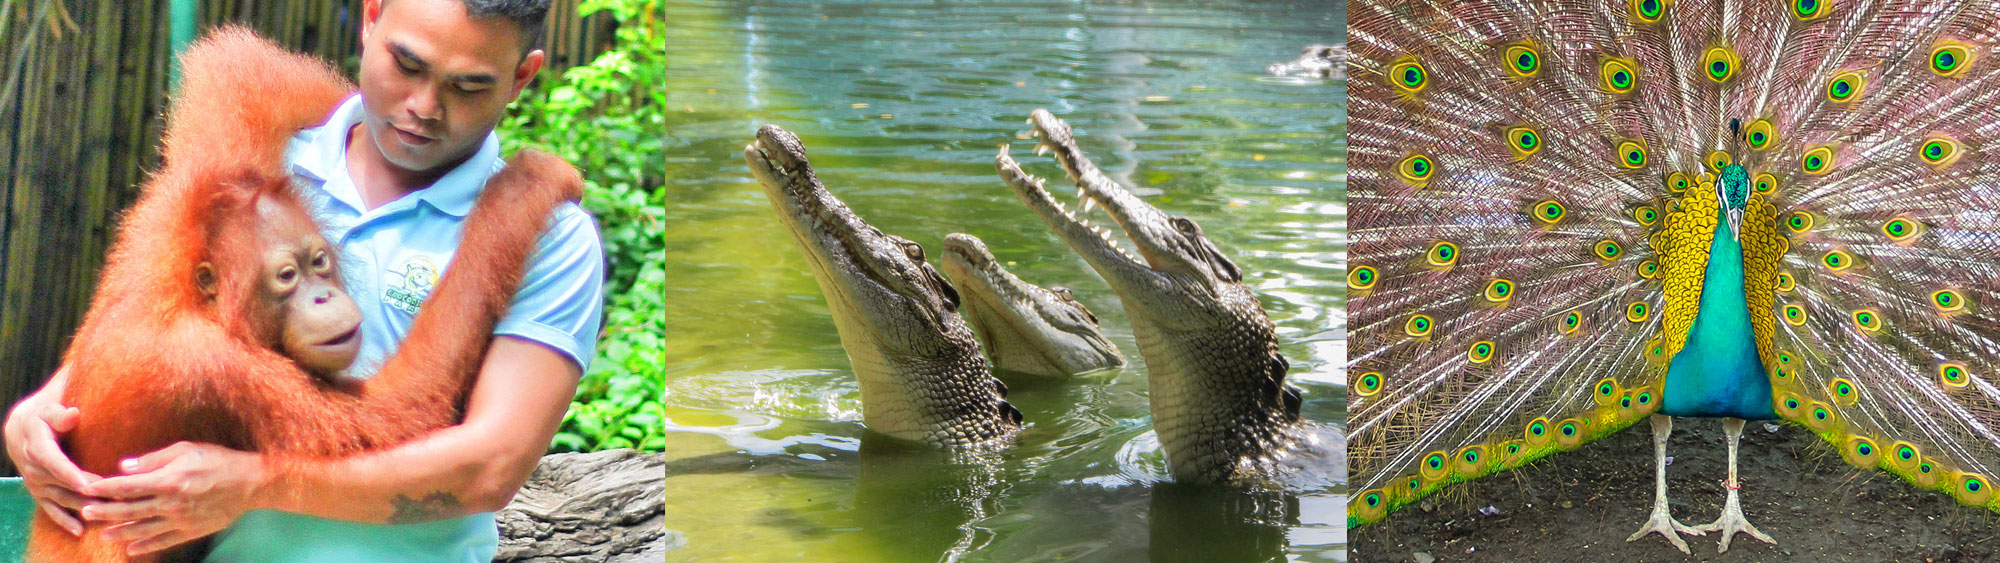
[{"x": 1581, "y": 505}]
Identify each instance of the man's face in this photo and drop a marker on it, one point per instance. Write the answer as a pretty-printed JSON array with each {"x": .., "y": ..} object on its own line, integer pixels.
[{"x": 435, "y": 81}]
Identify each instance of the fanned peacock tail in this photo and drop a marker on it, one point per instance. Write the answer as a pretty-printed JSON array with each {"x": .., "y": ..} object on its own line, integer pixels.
[{"x": 1534, "y": 194}]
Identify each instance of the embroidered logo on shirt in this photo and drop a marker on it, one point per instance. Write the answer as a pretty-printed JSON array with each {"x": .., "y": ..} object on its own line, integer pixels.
[{"x": 419, "y": 276}]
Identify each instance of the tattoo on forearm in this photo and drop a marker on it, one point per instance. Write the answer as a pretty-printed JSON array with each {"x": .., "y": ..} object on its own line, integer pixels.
[{"x": 434, "y": 506}]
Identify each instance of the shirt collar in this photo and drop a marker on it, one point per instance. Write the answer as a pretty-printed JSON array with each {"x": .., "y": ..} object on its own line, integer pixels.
[{"x": 453, "y": 193}]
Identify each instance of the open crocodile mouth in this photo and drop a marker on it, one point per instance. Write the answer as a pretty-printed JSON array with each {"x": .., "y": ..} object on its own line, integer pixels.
[
  {"x": 1163, "y": 244},
  {"x": 862, "y": 262}
]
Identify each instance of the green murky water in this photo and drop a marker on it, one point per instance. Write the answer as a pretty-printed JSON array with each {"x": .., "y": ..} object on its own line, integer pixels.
[{"x": 902, "y": 106}]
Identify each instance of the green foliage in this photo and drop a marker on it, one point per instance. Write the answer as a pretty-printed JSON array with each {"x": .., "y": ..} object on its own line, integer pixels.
[{"x": 606, "y": 117}]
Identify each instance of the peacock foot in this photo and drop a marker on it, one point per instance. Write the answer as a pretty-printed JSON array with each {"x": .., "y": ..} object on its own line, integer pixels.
[
  {"x": 1667, "y": 526},
  {"x": 1732, "y": 522}
]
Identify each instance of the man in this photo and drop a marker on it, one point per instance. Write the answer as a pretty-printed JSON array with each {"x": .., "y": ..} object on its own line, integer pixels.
[{"x": 391, "y": 176}]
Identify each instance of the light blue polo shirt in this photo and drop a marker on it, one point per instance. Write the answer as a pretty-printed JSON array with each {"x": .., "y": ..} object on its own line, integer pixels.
[{"x": 390, "y": 258}]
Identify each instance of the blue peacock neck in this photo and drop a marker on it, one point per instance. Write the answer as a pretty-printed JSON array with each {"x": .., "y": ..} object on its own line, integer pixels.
[{"x": 1718, "y": 373}]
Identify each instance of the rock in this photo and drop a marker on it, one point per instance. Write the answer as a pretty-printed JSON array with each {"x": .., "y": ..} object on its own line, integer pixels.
[{"x": 601, "y": 506}]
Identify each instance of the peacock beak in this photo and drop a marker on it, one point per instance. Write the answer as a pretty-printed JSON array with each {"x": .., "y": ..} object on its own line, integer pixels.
[{"x": 1736, "y": 224}]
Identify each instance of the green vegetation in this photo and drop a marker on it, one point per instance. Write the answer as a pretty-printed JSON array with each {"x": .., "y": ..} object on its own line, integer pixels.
[{"x": 606, "y": 117}]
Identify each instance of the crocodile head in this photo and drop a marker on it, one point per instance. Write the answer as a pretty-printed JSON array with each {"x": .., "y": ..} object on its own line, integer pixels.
[
  {"x": 1220, "y": 404},
  {"x": 921, "y": 374},
  {"x": 1178, "y": 278},
  {"x": 1025, "y": 328}
]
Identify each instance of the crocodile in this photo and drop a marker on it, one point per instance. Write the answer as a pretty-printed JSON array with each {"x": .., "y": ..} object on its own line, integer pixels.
[
  {"x": 921, "y": 373},
  {"x": 1318, "y": 61},
  {"x": 1220, "y": 404},
  {"x": 1024, "y": 327}
]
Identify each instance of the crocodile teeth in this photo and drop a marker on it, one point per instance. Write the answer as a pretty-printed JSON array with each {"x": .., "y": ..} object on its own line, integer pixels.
[
  {"x": 1087, "y": 202},
  {"x": 1041, "y": 149}
]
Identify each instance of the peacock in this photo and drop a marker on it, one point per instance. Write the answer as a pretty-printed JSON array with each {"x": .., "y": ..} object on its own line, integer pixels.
[{"x": 1569, "y": 216}]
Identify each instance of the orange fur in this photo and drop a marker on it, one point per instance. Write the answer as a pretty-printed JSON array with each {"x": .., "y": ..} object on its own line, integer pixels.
[{"x": 156, "y": 362}]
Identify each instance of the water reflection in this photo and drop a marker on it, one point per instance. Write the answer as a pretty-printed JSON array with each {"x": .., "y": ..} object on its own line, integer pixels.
[{"x": 902, "y": 106}]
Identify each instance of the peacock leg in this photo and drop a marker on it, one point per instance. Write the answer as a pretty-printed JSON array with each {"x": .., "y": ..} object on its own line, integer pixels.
[
  {"x": 1661, "y": 521},
  {"x": 1732, "y": 521}
]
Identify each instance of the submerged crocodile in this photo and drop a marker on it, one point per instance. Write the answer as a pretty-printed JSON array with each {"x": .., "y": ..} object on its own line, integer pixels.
[
  {"x": 922, "y": 377},
  {"x": 1025, "y": 328},
  {"x": 1320, "y": 61},
  {"x": 1217, "y": 383}
]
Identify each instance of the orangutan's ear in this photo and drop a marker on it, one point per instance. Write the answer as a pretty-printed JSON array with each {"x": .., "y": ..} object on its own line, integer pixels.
[{"x": 204, "y": 279}]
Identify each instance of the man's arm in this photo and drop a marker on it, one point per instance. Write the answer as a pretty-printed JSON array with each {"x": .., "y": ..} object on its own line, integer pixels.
[
  {"x": 192, "y": 490},
  {"x": 48, "y": 474},
  {"x": 515, "y": 408}
]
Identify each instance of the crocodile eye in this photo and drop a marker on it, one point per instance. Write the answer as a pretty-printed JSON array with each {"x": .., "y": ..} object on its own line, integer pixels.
[
  {"x": 913, "y": 250},
  {"x": 1063, "y": 292},
  {"x": 1184, "y": 225}
]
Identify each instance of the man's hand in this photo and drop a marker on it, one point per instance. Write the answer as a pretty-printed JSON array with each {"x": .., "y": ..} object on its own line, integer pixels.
[
  {"x": 176, "y": 495},
  {"x": 50, "y": 477}
]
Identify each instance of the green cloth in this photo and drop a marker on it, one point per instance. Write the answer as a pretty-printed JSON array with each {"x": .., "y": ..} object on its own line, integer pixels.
[
  {"x": 273, "y": 536},
  {"x": 17, "y": 511}
]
